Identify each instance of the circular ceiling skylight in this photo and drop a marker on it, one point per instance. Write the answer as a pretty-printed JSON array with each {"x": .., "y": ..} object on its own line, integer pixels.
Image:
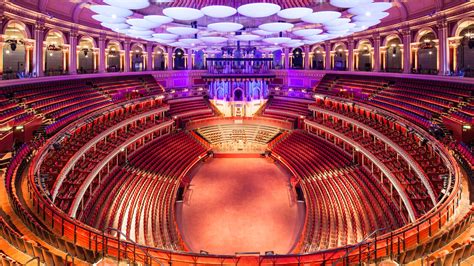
[
  {"x": 225, "y": 26},
  {"x": 218, "y": 11},
  {"x": 295, "y": 12},
  {"x": 165, "y": 36},
  {"x": 182, "y": 30},
  {"x": 142, "y": 23},
  {"x": 158, "y": 19},
  {"x": 183, "y": 13},
  {"x": 372, "y": 7},
  {"x": 349, "y": 3},
  {"x": 321, "y": 17},
  {"x": 128, "y": 4},
  {"x": 111, "y": 11},
  {"x": 307, "y": 32},
  {"x": 277, "y": 40},
  {"x": 213, "y": 39},
  {"x": 276, "y": 26},
  {"x": 258, "y": 10},
  {"x": 247, "y": 37},
  {"x": 263, "y": 32},
  {"x": 108, "y": 19}
]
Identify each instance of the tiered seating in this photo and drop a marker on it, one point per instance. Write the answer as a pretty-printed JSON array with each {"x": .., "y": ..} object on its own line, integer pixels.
[
  {"x": 286, "y": 107},
  {"x": 190, "y": 108},
  {"x": 232, "y": 134},
  {"x": 122, "y": 88},
  {"x": 56, "y": 160},
  {"x": 140, "y": 202},
  {"x": 344, "y": 200}
]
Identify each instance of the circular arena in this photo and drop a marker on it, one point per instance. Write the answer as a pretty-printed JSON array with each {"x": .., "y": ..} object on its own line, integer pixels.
[{"x": 243, "y": 133}]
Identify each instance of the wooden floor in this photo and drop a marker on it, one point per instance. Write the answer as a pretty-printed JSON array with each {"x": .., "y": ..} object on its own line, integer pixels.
[{"x": 240, "y": 205}]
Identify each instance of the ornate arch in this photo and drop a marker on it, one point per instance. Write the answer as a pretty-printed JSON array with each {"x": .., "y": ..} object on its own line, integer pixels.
[
  {"x": 421, "y": 32},
  {"x": 137, "y": 44},
  {"x": 26, "y": 31},
  {"x": 390, "y": 37},
  {"x": 88, "y": 38},
  {"x": 460, "y": 25},
  {"x": 362, "y": 41},
  {"x": 114, "y": 41},
  {"x": 337, "y": 44},
  {"x": 63, "y": 36}
]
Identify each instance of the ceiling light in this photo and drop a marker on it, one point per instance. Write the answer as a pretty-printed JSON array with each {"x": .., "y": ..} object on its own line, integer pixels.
[
  {"x": 218, "y": 11},
  {"x": 276, "y": 26},
  {"x": 107, "y": 10},
  {"x": 225, "y": 26},
  {"x": 135, "y": 4},
  {"x": 182, "y": 30},
  {"x": 258, "y": 10},
  {"x": 183, "y": 13},
  {"x": 321, "y": 17},
  {"x": 295, "y": 12},
  {"x": 307, "y": 32}
]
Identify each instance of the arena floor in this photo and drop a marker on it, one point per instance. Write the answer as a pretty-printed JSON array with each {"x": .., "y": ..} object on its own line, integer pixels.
[{"x": 240, "y": 205}]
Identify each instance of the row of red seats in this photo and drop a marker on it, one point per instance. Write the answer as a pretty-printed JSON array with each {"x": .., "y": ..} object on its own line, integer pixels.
[
  {"x": 344, "y": 209},
  {"x": 184, "y": 108}
]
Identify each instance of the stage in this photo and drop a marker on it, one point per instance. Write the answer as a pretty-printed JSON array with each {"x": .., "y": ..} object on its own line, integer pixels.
[{"x": 240, "y": 205}]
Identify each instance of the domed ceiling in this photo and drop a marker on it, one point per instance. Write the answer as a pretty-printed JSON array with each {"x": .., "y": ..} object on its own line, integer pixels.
[{"x": 270, "y": 24}]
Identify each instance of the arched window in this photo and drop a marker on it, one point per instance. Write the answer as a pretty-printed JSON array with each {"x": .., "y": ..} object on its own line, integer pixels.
[
  {"x": 297, "y": 58},
  {"x": 159, "y": 59},
  {"x": 465, "y": 52},
  {"x": 364, "y": 57},
  {"x": 138, "y": 62},
  {"x": 54, "y": 54},
  {"x": 339, "y": 58},
  {"x": 14, "y": 51},
  {"x": 179, "y": 59},
  {"x": 113, "y": 57},
  {"x": 318, "y": 58},
  {"x": 427, "y": 54},
  {"x": 86, "y": 56},
  {"x": 393, "y": 56},
  {"x": 199, "y": 60}
]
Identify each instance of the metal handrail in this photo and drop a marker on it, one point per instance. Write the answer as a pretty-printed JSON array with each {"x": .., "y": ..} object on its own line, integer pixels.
[
  {"x": 134, "y": 243},
  {"x": 364, "y": 241}
]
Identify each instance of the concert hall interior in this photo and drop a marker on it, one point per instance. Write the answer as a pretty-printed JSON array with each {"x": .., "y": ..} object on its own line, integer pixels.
[{"x": 238, "y": 132}]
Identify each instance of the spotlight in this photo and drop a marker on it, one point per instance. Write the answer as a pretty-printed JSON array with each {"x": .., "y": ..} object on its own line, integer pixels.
[{"x": 203, "y": 252}]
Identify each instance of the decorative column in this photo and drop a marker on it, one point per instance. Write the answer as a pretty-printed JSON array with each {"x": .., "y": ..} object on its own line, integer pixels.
[
  {"x": 406, "y": 50},
  {"x": 102, "y": 56},
  {"x": 39, "y": 54},
  {"x": 327, "y": 59},
  {"x": 170, "y": 58},
  {"x": 443, "y": 46},
  {"x": 306, "y": 57},
  {"x": 350, "y": 48},
  {"x": 126, "y": 64},
  {"x": 189, "y": 59},
  {"x": 149, "y": 56},
  {"x": 73, "y": 52},
  {"x": 376, "y": 52},
  {"x": 287, "y": 58}
]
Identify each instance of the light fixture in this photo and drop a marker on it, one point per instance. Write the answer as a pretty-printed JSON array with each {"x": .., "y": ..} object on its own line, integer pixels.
[
  {"x": 109, "y": 19},
  {"x": 276, "y": 26},
  {"x": 218, "y": 11},
  {"x": 258, "y": 10},
  {"x": 183, "y": 13},
  {"x": 108, "y": 10},
  {"x": 307, "y": 32},
  {"x": 157, "y": 19},
  {"x": 294, "y": 12},
  {"x": 321, "y": 17},
  {"x": 182, "y": 30},
  {"x": 135, "y": 4},
  {"x": 225, "y": 26}
]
